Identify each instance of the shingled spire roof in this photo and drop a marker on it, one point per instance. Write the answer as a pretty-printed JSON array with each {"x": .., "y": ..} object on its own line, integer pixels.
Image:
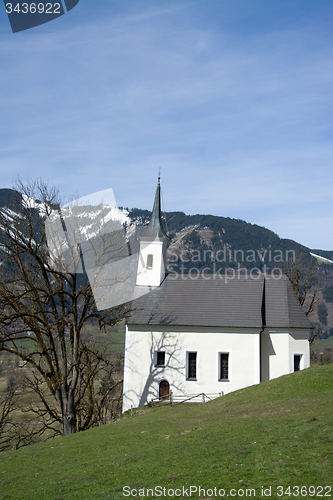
[{"x": 155, "y": 227}]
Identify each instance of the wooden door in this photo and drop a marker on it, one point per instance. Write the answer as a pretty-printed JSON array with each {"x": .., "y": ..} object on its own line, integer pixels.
[{"x": 164, "y": 390}]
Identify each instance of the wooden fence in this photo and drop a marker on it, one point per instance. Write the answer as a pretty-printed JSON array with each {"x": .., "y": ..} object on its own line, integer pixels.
[{"x": 174, "y": 400}]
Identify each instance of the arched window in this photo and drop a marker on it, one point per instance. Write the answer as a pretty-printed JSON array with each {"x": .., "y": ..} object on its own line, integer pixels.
[{"x": 150, "y": 261}]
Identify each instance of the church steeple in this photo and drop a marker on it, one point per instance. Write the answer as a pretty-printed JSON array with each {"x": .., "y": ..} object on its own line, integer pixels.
[
  {"x": 155, "y": 227},
  {"x": 153, "y": 244}
]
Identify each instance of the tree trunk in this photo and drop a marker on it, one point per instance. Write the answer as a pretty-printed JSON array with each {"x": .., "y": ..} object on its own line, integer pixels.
[{"x": 68, "y": 414}]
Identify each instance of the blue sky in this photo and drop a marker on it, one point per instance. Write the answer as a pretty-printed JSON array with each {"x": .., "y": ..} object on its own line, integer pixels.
[{"x": 232, "y": 99}]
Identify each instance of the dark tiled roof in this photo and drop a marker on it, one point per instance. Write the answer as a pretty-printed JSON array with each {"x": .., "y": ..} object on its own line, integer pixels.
[
  {"x": 213, "y": 300},
  {"x": 282, "y": 307}
]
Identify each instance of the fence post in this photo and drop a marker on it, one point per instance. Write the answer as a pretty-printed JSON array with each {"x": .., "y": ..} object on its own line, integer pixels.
[
  {"x": 171, "y": 398},
  {"x": 131, "y": 410},
  {"x": 203, "y": 397}
]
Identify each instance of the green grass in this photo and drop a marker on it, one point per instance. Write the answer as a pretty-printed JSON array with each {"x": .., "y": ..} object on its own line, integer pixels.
[
  {"x": 113, "y": 339},
  {"x": 322, "y": 343},
  {"x": 276, "y": 433}
]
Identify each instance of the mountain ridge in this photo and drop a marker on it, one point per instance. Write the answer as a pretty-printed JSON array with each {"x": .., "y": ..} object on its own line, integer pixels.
[
  {"x": 208, "y": 243},
  {"x": 178, "y": 221}
]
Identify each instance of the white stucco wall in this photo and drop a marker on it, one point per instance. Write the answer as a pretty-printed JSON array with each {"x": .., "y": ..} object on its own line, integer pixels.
[
  {"x": 278, "y": 348},
  {"x": 141, "y": 377},
  {"x": 299, "y": 344},
  {"x": 154, "y": 276}
]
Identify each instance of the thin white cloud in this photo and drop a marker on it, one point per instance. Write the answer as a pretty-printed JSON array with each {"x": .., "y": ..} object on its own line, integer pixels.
[{"x": 238, "y": 120}]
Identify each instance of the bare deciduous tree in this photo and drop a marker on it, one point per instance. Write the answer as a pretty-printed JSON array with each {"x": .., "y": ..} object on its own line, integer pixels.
[
  {"x": 301, "y": 274},
  {"x": 6, "y": 408},
  {"x": 43, "y": 315}
]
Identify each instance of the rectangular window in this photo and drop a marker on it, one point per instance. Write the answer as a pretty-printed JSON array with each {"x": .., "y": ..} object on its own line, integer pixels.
[
  {"x": 150, "y": 261},
  {"x": 191, "y": 366},
  {"x": 160, "y": 358},
  {"x": 297, "y": 362},
  {"x": 224, "y": 366}
]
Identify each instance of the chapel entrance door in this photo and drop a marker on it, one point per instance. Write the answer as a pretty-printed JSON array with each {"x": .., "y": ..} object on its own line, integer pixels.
[{"x": 164, "y": 390}]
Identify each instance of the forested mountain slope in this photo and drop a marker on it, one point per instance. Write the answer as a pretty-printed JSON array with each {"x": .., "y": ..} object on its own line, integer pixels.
[{"x": 211, "y": 244}]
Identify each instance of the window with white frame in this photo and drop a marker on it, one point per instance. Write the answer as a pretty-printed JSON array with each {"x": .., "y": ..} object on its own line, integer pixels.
[
  {"x": 223, "y": 366},
  {"x": 191, "y": 366},
  {"x": 159, "y": 358},
  {"x": 150, "y": 261}
]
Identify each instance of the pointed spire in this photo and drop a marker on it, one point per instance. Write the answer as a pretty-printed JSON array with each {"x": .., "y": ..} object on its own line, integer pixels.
[
  {"x": 155, "y": 226},
  {"x": 156, "y": 212}
]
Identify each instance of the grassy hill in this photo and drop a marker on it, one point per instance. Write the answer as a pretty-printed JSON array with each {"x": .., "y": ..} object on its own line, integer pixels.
[{"x": 279, "y": 433}]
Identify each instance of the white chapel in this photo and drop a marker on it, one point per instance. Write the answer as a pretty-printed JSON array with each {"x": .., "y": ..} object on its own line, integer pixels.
[{"x": 207, "y": 335}]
